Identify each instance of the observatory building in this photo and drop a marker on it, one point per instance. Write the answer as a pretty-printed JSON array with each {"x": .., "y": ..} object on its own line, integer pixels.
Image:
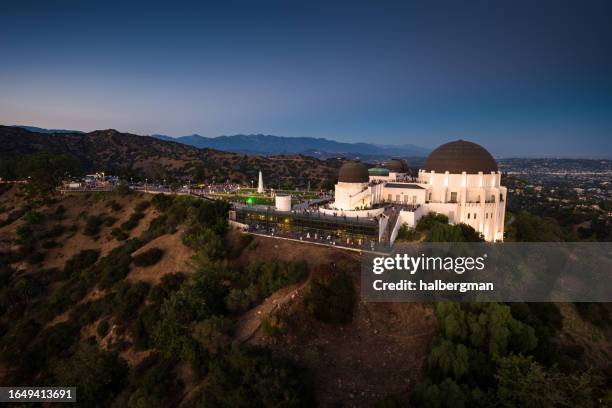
[{"x": 459, "y": 179}]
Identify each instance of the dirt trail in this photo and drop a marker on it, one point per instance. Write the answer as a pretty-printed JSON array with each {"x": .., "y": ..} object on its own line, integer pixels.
[{"x": 249, "y": 323}]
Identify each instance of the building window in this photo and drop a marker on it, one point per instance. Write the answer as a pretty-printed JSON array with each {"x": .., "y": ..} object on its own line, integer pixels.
[
  {"x": 390, "y": 198},
  {"x": 486, "y": 216},
  {"x": 468, "y": 216},
  {"x": 397, "y": 198},
  {"x": 453, "y": 198},
  {"x": 474, "y": 215}
]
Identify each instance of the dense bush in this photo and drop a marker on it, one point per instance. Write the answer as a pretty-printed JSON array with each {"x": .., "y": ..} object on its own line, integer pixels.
[
  {"x": 119, "y": 234},
  {"x": 116, "y": 265},
  {"x": 148, "y": 257},
  {"x": 331, "y": 298},
  {"x": 531, "y": 228},
  {"x": 406, "y": 233},
  {"x": 435, "y": 228},
  {"x": 80, "y": 262},
  {"x": 482, "y": 353},
  {"x": 132, "y": 222},
  {"x": 249, "y": 376},
  {"x": 152, "y": 383},
  {"x": 115, "y": 206},
  {"x": 32, "y": 217},
  {"x": 213, "y": 334},
  {"x": 25, "y": 235},
  {"x": 35, "y": 257},
  {"x": 52, "y": 232},
  {"x": 44, "y": 169},
  {"x": 260, "y": 279},
  {"x": 127, "y": 299},
  {"x": 98, "y": 375},
  {"x": 206, "y": 242},
  {"x": 168, "y": 284},
  {"x": 92, "y": 225},
  {"x": 102, "y": 329},
  {"x": 141, "y": 206}
]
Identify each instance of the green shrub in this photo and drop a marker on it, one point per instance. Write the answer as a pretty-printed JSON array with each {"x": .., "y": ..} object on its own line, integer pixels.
[
  {"x": 115, "y": 206},
  {"x": 141, "y": 206},
  {"x": 132, "y": 222},
  {"x": 273, "y": 325},
  {"x": 49, "y": 244},
  {"x": 33, "y": 217},
  {"x": 246, "y": 375},
  {"x": 116, "y": 265},
  {"x": 92, "y": 225},
  {"x": 35, "y": 258},
  {"x": 53, "y": 232},
  {"x": 148, "y": 257},
  {"x": 25, "y": 235},
  {"x": 331, "y": 298},
  {"x": 109, "y": 221},
  {"x": 152, "y": 384},
  {"x": 169, "y": 283},
  {"x": 97, "y": 374},
  {"x": 119, "y": 234},
  {"x": 406, "y": 233},
  {"x": 127, "y": 299},
  {"x": 80, "y": 262},
  {"x": 102, "y": 329}
]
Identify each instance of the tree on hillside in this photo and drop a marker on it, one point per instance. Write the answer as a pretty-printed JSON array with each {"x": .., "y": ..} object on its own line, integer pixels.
[{"x": 45, "y": 170}]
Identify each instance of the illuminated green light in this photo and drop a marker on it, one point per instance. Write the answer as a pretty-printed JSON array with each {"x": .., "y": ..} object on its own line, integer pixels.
[{"x": 250, "y": 200}]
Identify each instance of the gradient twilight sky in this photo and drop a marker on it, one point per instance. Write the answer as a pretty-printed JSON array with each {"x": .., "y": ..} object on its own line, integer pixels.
[{"x": 528, "y": 78}]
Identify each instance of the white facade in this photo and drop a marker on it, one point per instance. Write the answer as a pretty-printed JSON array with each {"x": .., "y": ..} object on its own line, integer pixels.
[{"x": 477, "y": 200}]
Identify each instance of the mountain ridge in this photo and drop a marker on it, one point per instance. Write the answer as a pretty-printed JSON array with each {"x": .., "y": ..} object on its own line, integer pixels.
[
  {"x": 262, "y": 144},
  {"x": 130, "y": 155},
  {"x": 271, "y": 144}
]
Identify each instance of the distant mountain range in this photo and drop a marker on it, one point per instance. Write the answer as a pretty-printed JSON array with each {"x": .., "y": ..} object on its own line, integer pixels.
[
  {"x": 267, "y": 145},
  {"x": 310, "y": 146}
]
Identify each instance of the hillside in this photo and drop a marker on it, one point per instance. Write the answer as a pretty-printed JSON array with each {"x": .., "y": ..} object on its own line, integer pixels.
[
  {"x": 132, "y": 155},
  {"x": 157, "y": 297},
  {"x": 89, "y": 290}
]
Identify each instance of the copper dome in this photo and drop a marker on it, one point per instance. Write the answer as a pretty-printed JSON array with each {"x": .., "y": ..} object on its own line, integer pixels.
[
  {"x": 397, "y": 165},
  {"x": 459, "y": 156},
  {"x": 353, "y": 172}
]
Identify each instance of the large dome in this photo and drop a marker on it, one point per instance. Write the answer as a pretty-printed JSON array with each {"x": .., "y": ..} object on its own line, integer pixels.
[
  {"x": 397, "y": 165},
  {"x": 353, "y": 172},
  {"x": 459, "y": 156}
]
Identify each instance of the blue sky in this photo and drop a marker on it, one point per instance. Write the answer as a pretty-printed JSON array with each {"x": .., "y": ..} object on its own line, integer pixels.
[{"x": 522, "y": 78}]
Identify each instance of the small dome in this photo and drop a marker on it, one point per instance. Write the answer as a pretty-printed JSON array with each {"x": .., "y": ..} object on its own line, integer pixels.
[
  {"x": 459, "y": 156},
  {"x": 353, "y": 172},
  {"x": 397, "y": 165},
  {"x": 378, "y": 171}
]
